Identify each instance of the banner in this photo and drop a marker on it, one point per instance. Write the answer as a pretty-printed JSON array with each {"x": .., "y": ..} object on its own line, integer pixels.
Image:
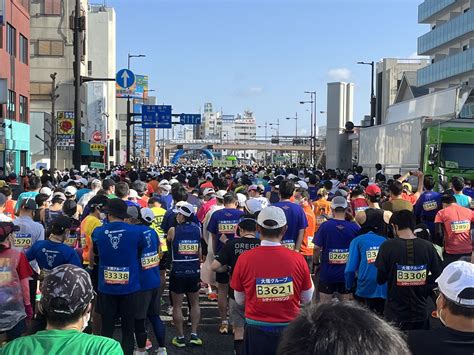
[
  {"x": 65, "y": 130},
  {"x": 96, "y": 132},
  {"x": 137, "y": 90}
]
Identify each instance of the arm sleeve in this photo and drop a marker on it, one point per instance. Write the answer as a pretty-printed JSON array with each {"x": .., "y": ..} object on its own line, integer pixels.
[{"x": 352, "y": 265}]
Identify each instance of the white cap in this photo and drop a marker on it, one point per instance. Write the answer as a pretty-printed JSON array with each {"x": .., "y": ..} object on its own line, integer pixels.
[
  {"x": 174, "y": 181},
  {"x": 82, "y": 181},
  {"x": 241, "y": 198},
  {"x": 70, "y": 191},
  {"x": 302, "y": 184},
  {"x": 60, "y": 195},
  {"x": 350, "y": 177},
  {"x": 208, "y": 190},
  {"x": 186, "y": 209},
  {"x": 254, "y": 205},
  {"x": 133, "y": 194},
  {"x": 291, "y": 176},
  {"x": 147, "y": 215},
  {"x": 271, "y": 218},
  {"x": 220, "y": 194},
  {"x": 252, "y": 187},
  {"x": 163, "y": 182},
  {"x": 456, "y": 282},
  {"x": 338, "y": 202},
  {"x": 46, "y": 191}
]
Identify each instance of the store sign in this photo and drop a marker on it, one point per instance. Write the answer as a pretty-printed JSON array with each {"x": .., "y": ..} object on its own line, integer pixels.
[
  {"x": 65, "y": 130},
  {"x": 96, "y": 115},
  {"x": 97, "y": 147}
]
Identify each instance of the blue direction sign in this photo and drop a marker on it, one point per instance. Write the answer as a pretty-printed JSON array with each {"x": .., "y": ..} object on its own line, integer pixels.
[
  {"x": 186, "y": 118},
  {"x": 125, "y": 78},
  {"x": 156, "y": 116}
]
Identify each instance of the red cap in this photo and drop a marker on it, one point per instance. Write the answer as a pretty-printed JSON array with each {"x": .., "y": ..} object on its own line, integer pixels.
[{"x": 373, "y": 190}]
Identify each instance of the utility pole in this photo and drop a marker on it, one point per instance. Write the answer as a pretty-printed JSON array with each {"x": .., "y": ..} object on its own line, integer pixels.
[
  {"x": 54, "y": 125},
  {"x": 79, "y": 27}
]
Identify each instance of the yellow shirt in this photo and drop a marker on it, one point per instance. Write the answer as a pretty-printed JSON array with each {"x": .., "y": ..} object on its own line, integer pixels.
[
  {"x": 87, "y": 227},
  {"x": 156, "y": 225}
]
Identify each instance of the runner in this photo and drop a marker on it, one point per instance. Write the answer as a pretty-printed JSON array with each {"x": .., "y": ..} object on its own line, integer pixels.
[
  {"x": 462, "y": 200},
  {"x": 10, "y": 204},
  {"x": 332, "y": 246},
  {"x": 184, "y": 278},
  {"x": 118, "y": 246},
  {"x": 66, "y": 302},
  {"x": 3, "y": 214},
  {"x": 374, "y": 218},
  {"x": 295, "y": 216},
  {"x": 307, "y": 246},
  {"x": 34, "y": 185},
  {"x": 271, "y": 290},
  {"x": 455, "y": 309},
  {"x": 222, "y": 227},
  {"x": 409, "y": 265},
  {"x": 14, "y": 287},
  {"x": 453, "y": 227},
  {"x": 428, "y": 204},
  {"x": 358, "y": 201},
  {"x": 226, "y": 260},
  {"x": 396, "y": 202}
]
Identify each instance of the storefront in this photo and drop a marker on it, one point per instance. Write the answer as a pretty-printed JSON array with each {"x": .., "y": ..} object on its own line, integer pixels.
[{"x": 16, "y": 154}]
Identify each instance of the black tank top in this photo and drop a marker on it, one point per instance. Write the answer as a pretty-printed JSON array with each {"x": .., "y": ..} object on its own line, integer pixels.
[{"x": 374, "y": 222}]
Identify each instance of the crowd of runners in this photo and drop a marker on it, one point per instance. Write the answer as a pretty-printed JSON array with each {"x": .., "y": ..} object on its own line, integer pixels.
[{"x": 299, "y": 261}]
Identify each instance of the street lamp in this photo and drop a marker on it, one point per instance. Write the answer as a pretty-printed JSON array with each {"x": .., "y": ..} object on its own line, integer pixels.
[
  {"x": 277, "y": 125},
  {"x": 129, "y": 116},
  {"x": 296, "y": 123},
  {"x": 372, "y": 94}
]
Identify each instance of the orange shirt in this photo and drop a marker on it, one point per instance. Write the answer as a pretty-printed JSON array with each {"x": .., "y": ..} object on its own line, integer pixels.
[
  {"x": 410, "y": 198},
  {"x": 87, "y": 227},
  {"x": 154, "y": 185},
  {"x": 457, "y": 228},
  {"x": 10, "y": 208},
  {"x": 307, "y": 245},
  {"x": 321, "y": 207}
]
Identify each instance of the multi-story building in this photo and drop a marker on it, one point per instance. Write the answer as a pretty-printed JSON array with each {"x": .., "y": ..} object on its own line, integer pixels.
[
  {"x": 14, "y": 85},
  {"x": 245, "y": 127},
  {"x": 389, "y": 77},
  {"x": 101, "y": 64},
  {"x": 449, "y": 43},
  {"x": 52, "y": 51}
]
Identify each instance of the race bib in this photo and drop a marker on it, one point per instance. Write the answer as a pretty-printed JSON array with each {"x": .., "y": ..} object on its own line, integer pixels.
[
  {"x": 430, "y": 205},
  {"x": 310, "y": 243},
  {"x": 116, "y": 275},
  {"x": 338, "y": 256},
  {"x": 361, "y": 209},
  {"x": 70, "y": 241},
  {"x": 408, "y": 275},
  {"x": 288, "y": 244},
  {"x": 274, "y": 289},
  {"x": 188, "y": 247},
  {"x": 372, "y": 253},
  {"x": 5, "y": 271},
  {"x": 150, "y": 260},
  {"x": 83, "y": 241},
  {"x": 227, "y": 227},
  {"x": 460, "y": 226},
  {"x": 320, "y": 220},
  {"x": 22, "y": 240}
]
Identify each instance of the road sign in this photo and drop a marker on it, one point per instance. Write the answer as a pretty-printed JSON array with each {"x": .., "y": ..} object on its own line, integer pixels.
[
  {"x": 97, "y": 165},
  {"x": 186, "y": 118},
  {"x": 97, "y": 136},
  {"x": 125, "y": 78},
  {"x": 156, "y": 116}
]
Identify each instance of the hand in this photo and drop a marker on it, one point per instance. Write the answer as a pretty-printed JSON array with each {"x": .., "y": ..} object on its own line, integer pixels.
[
  {"x": 29, "y": 311},
  {"x": 223, "y": 238}
]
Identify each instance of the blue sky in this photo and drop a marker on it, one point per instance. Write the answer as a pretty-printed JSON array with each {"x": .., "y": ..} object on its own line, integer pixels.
[{"x": 262, "y": 55}]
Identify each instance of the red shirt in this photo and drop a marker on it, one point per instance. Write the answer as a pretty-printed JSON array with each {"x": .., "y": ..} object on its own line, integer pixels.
[
  {"x": 272, "y": 278},
  {"x": 358, "y": 204},
  {"x": 457, "y": 227},
  {"x": 205, "y": 208}
]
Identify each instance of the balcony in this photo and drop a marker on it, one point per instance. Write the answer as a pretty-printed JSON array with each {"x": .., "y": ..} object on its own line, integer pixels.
[
  {"x": 457, "y": 28},
  {"x": 428, "y": 8},
  {"x": 450, "y": 67}
]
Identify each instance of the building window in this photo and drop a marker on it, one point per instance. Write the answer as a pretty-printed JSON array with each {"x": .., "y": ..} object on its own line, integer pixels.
[
  {"x": 1, "y": 36},
  {"x": 11, "y": 40},
  {"x": 50, "y": 48},
  {"x": 466, "y": 10},
  {"x": 23, "y": 106},
  {"x": 11, "y": 111},
  {"x": 40, "y": 91},
  {"x": 23, "y": 49},
  {"x": 89, "y": 68},
  {"x": 52, "y": 7},
  {"x": 465, "y": 47}
]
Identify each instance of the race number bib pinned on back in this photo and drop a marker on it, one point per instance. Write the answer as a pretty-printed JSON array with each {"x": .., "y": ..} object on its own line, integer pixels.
[
  {"x": 150, "y": 260},
  {"x": 22, "y": 240},
  {"x": 274, "y": 289},
  {"x": 411, "y": 275},
  {"x": 288, "y": 244},
  {"x": 460, "y": 226},
  {"x": 116, "y": 275},
  {"x": 338, "y": 256},
  {"x": 227, "y": 227},
  {"x": 188, "y": 247},
  {"x": 430, "y": 205},
  {"x": 371, "y": 254},
  {"x": 320, "y": 220},
  {"x": 310, "y": 243}
]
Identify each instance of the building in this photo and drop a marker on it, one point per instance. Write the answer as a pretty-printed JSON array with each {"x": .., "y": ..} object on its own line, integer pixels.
[
  {"x": 245, "y": 127},
  {"x": 389, "y": 77},
  {"x": 101, "y": 64},
  {"x": 52, "y": 51},
  {"x": 14, "y": 85},
  {"x": 340, "y": 108},
  {"x": 449, "y": 43}
]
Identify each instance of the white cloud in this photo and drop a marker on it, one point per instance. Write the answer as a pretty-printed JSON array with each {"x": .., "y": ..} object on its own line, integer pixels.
[{"x": 339, "y": 74}]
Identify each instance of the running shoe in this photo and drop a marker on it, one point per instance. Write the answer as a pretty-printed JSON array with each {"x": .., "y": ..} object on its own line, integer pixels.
[
  {"x": 194, "y": 339},
  {"x": 161, "y": 351},
  {"x": 179, "y": 342},
  {"x": 224, "y": 328},
  {"x": 149, "y": 344}
]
